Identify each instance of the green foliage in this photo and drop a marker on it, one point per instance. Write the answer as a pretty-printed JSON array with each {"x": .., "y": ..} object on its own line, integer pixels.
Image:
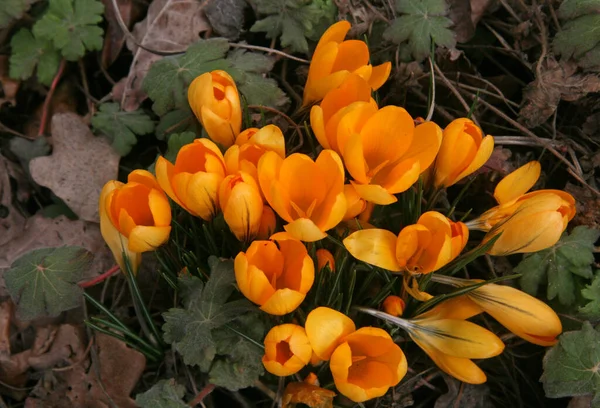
[
  {"x": 122, "y": 127},
  {"x": 579, "y": 37},
  {"x": 30, "y": 51},
  {"x": 177, "y": 121},
  {"x": 571, "y": 367},
  {"x": 176, "y": 142},
  {"x": 199, "y": 331},
  {"x": 26, "y": 150},
  {"x": 12, "y": 10},
  {"x": 572, "y": 255},
  {"x": 168, "y": 78},
  {"x": 294, "y": 20},
  {"x": 422, "y": 22},
  {"x": 72, "y": 26},
  {"x": 43, "y": 282},
  {"x": 163, "y": 394},
  {"x": 592, "y": 293}
]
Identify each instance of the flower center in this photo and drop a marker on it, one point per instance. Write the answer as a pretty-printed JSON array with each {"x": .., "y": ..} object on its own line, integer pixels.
[{"x": 283, "y": 352}]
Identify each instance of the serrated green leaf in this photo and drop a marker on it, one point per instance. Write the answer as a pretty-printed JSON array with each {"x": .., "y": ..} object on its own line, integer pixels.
[
  {"x": 29, "y": 52},
  {"x": 176, "y": 142},
  {"x": 177, "y": 121},
  {"x": 163, "y": 394},
  {"x": 572, "y": 255},
  {"x": 293, "y": 20},
  {"x": 122, "y": 127},
  {"x": 592, "y": 293},
  {"x": 571, "y": 367},
  {"x": 578, "y": 36},
  {"x": 569, "y": 9},
  {"x": 168, "y": 78},
  {"x": 189, "y": 330},
  {"x": 12, "y": 10},
  {"x": 73, "y": 26},
  {"x": 43, "y": 282},
  {"x": 423, "y": 21}
]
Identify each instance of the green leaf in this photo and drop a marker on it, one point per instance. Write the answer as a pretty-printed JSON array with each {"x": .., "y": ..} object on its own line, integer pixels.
[
  {"x": 43, "y": 282},
  {"x": 176, "y": 142},
  {"x": 570, "y": 9},
  {"x": 168, "y": 78},
  {"x": 26, "y": 150},
  {"x": 592, "y": 293},
  {"x": 73, "y": 26},
  {"x": 423, "y": 21},
  {"x": 29, "y": 52},
  {"x": 580, "y": 34},
  {"x": 190, "y": 330},
  {"x": 122, "y": 127},
  {"x": 177, "y": 121},
  {"x": 12, "y": 10},
  {"x": 572, "y": 255},
  {"x": 571, "y": 367},
  {"x": 163, "y": 394},
  {"x": 293, "y": 20}
]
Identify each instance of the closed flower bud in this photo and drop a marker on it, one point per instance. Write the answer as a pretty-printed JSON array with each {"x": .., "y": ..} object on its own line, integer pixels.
[
  {"x": 464, "y": 150},
  {"x": 268, "y": 223},
  {"x": 275, "y": 274},
  {"x": 307, "y": 194},
  {"x": 134, "y": 217},
  {"x": 366, "y": 364},
  {"x": 241, "y": 204},
  {"x": 287, "y": 350},
  {"x": 394, "y": 305},
  {"x": 423, "y": 247},
  {"x": 215, "y": 101},
  {"x": 324, "y": 257},
  {"x": 193, "y": 181},
  {"x": 334, "y": 59}
]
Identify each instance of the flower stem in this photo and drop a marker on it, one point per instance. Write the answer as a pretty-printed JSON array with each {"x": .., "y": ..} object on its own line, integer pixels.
[{"x": 100, "y": 278}]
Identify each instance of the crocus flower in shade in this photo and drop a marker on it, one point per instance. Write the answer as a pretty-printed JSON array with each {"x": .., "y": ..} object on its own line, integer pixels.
[
  {"x": 275, "y": 274},
  {"x": 423, "y": 247},
  {"x": 193, "y": 181},
  {"x": 464, "y": 150},
  {"x": 324, "y": 257},
  {"x": 249, "y": 147},
  {"x": 242, "y": 205},
  {"x": 308, "y": 194},
  {"x": 353, "y": 93},
  {"x": 307, "y": 393},
  {"x": 287, "y": 350},
  {"x": 355, "y": 204},
  {"x": 134, "y": 217},
  {"x": 215, "y": 101},
  {"x": 524, "y": 315},
  {"x": 326, "y": 328},
  {"x": 384, "y": 152},
  {"x": 394, "y": 305},
  {"x": 334, "y": 59},
  {"x": 268, "y": 223},
  {"x": 366, "y": 364}
]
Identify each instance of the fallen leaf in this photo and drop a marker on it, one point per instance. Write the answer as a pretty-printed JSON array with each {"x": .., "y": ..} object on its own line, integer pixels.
[
  {"x": 11, "y": 220},
  {"x": 79, "y": 166},
  {"x": 169, "y": 26},
  {"x": 464, "y": 395},
  {"x": 459, "y": 12},
  {"x": 587, "y": 205},
  {"x": 114, "y": 38},
  {"x": 558, "y": 81},
  {"x": 6, "y": 310},
  {"x": 226, "y": 17}
]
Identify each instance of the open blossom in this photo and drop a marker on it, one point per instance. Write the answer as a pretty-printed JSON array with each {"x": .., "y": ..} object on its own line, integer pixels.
[
  {"x": 335, "y": 58},
  {"x": 193, "y": 181},
  {"x": 134, "y": 217},
  {"x": 464, "y": 150},
  {"x": 326, "y": 328},
  {"x": 287, "y": 350},
  {"x": 242, "y": 205},
  {"x": 275, "y": 274},
  {"x": 307, "y": 194},
  {"x": 215, "y": 101},
  {"x": 423, "y": 247}
]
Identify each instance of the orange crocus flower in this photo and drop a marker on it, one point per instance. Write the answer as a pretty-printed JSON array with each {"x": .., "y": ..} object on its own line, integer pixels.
[
  {"x": 275, "y": 274},
  {"x": 287, "y": 350},
  {"x": 394, "y": 305},
  {"x": 355, "y": 204},
  {"x": 215, "y": 101},
  {"x": 326, "y": 328},
  {"x": 308, "y": 194},
  {"x": 193, "y": 181},
  {"x": 423, "y": 247},
  {"x": 268, "y": 223},
  {"x": 324, "y": 257},
  {"x": 334, "y": 59},
  {"x": 134, "y": 217},
  {"x": 242, "y": 205}
]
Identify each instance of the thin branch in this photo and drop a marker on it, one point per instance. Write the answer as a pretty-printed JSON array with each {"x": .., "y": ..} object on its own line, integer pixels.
[
  {"x": 456, "y": 93},
  {"x": 268, "y": 50}
]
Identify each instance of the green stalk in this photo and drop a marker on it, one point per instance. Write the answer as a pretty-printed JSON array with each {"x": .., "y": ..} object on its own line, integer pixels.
[
  {"x": 127, "y": 333},
  {"x": 123, "y": 339}
]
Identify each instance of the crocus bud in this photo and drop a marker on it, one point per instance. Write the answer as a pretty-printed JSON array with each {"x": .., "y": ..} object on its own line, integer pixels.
[
  {"x": 464, "y": 150},
  {"x": 287, "y": 350},
  {"x": 134, "y": 217},
  {"x": 394, "y": 305},
  {"x": 241, "y": 204},
  {"x": 268, "y": 223},
  {"x": 215, "y": 101},
  {"x": 324, "y": 257}
]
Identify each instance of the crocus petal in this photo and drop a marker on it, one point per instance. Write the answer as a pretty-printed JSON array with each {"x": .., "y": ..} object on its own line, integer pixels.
[
  {"x": 325, "y": 329},
  {"x": 143, "y": 238},
  {"x": 335, "y": 33},
  {"x": 374, "y": 193},
  {"x": 305, "y": 230},
  {"x": 219, "y": 129},
  {"x": 159, "y": 207},
  {"x": 283, "y": 302},
  {"x": 164, "y": 174},
  {"x": 401, "y": 176},
  {"x": 459, "y": 307},
  {"x": 143, "y": 177},
  {"x": 518, "y": 182},
  {"x": 379, "y": 75},
  {"x": 425, "y": 144},
  {"x": 374, "y": 246},
  {"x": 202, "y": 194},
  {"x": 483, "y": 154}
]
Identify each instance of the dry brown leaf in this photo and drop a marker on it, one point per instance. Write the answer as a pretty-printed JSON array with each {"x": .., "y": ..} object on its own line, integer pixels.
[
  {"x": 79, "y": 166},
  {"x": 587, "y": 204},
  {"x": 558, "y": 81},
  {"x": 464, "y": 395},
  {"x": 6, "y": 311},
  {"x": 114, "y": 38},
  {"x": 11, "y": 221},
  {"x": 171, "y": 25},
  {"x": 460, "y": 14}
]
